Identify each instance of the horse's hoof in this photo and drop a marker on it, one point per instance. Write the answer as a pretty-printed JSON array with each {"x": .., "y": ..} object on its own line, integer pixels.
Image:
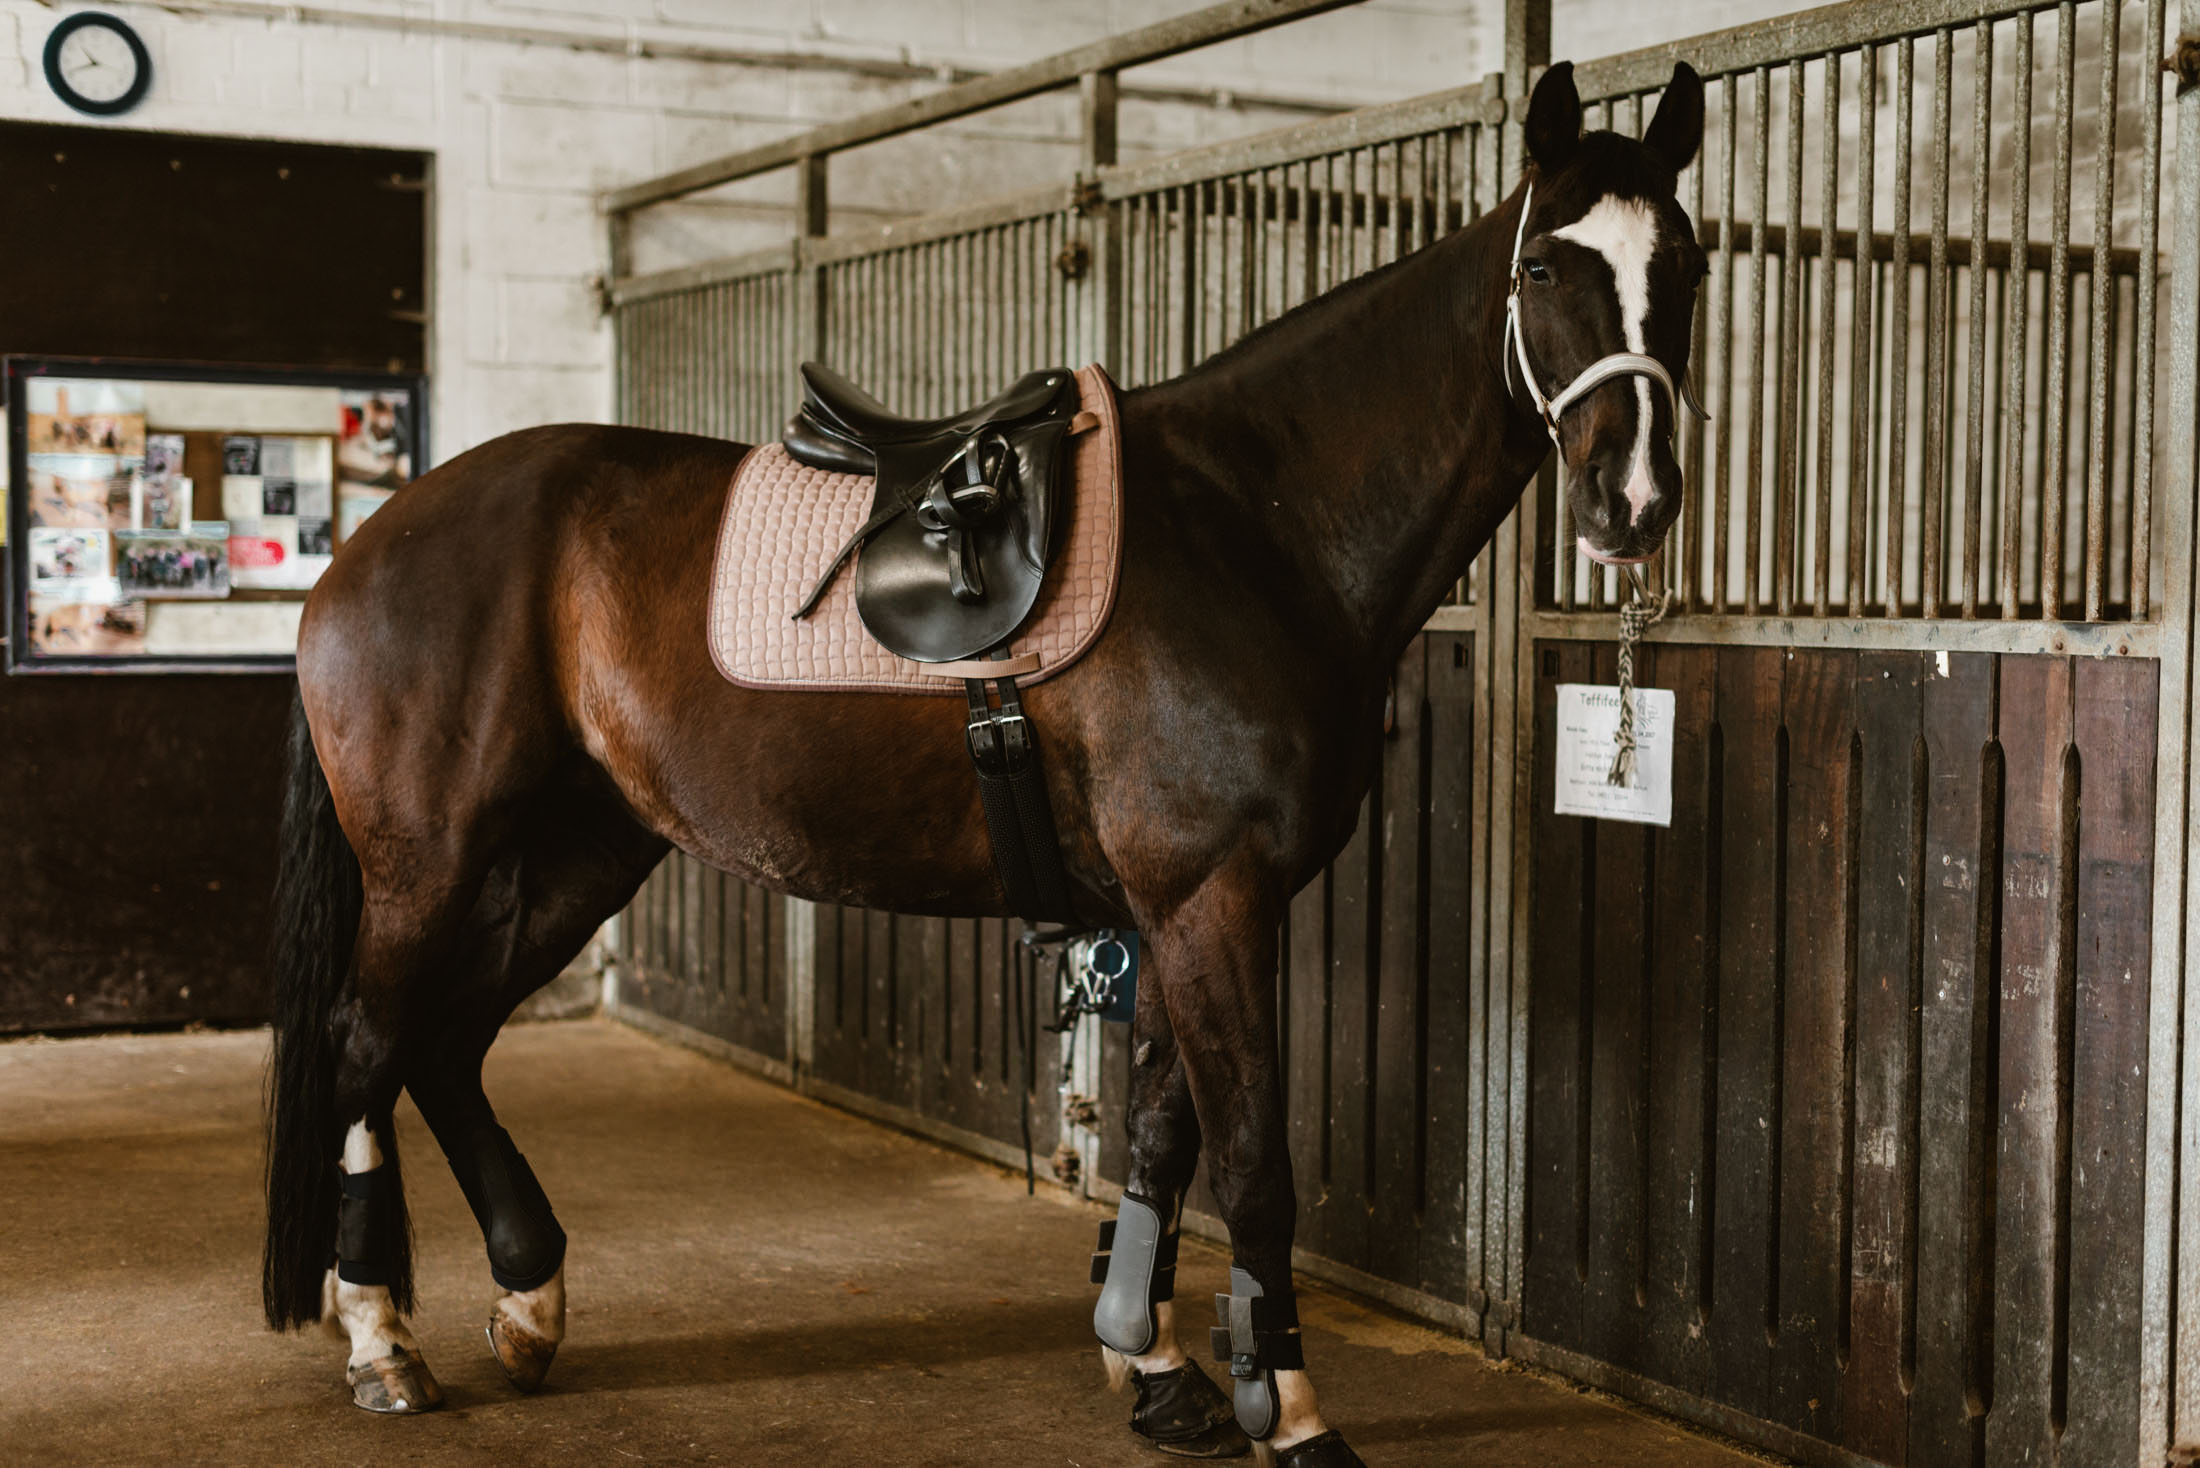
[
  {"x": 1184, "y": 1413},
  {"x": 524, "y": 1355},
  {"x": 397, "y": 1383},
  {"x": 1324, "y": 1450}
]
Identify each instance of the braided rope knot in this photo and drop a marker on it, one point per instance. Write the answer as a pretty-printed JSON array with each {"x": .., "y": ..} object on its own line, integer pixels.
[{"x": 1639, "y": 614}]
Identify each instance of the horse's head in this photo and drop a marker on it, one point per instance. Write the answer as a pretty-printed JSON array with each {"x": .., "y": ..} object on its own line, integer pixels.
[{"x": 1603, "y": 287}]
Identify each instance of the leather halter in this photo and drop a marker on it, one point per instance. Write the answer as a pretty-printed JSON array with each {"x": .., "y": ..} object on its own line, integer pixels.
[{"x": 1604, "y": 369}]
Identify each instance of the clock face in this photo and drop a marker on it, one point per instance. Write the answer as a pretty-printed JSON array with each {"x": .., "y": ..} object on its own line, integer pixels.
[{"x": 97, "y": 64}]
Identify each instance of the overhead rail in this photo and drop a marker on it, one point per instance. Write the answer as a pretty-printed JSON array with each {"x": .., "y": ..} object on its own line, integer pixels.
[{"x": 1155, "y": 42}]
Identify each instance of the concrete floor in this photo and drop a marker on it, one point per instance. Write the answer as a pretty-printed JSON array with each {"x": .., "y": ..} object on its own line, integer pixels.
[{"x": 755, "y": 1279}]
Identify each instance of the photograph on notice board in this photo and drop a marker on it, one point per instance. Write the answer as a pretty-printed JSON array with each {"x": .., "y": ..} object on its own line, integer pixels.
[
  {"x": 83, "y": 491},
  {"x": 69, "y": 565},
  {"x": 163, "y": 489},
  {"x": 165, "y": 565},
  {"x": 280, "y": 511},
  {"x": 374, "y": 450},
  {"x": 86, "y": 630},
  {"x": 84, "y": 416}
]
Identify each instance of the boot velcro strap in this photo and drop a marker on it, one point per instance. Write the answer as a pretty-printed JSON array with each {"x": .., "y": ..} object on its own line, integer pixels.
[
  {"x": 1100, "y": 1258},
  {"x": 1274, "y": 1350},
  {"x": 1162, "y": 1286},
  {"x": 1262, "y": 1334}
]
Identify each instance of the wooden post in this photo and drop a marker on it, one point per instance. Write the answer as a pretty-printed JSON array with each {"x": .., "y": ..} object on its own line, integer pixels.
[
  {"x": 1103, "y": 280},
  {"x": 812, "y": 219},
  {"x": 2169, "y": 1366},
  {"x": 1508, "y": 595}
]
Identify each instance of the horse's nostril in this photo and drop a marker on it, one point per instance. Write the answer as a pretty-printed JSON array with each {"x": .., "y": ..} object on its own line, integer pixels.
[{"x": 1590, "y": 506}]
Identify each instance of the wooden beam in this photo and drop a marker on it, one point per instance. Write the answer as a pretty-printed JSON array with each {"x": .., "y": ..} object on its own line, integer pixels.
[{"x": 1148, "y": 43}]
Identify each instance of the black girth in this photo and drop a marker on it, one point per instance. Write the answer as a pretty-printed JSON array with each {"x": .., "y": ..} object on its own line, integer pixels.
[{"x": 1027, "y": 852}]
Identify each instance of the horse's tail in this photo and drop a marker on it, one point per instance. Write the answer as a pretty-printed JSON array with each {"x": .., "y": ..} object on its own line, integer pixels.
[{"x": 317, "y": 906}]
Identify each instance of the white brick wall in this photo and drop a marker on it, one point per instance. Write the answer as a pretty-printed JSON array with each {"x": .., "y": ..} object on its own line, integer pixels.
[{"x": 524, "y": 135}]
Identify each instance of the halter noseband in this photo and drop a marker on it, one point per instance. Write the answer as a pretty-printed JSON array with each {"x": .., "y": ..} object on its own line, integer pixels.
[{"x": 1604, "y": 369}]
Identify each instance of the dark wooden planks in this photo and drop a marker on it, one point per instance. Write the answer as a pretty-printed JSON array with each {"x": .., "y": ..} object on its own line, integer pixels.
[
  {"x": 1398, "y": 1125},
  {"x": 2115, "y": 733},
  {"x": 1816, "y": 987},
  {"x": 1557, "y": 1265},
  {"x": 1616, "y": 990},
  {"x": 1745, "y": 1094},
  {"x": 1953, "y": 1154},
  {"x": 1677, "y": 1196},
  {"x": 1889, "y": 857},
  {"x": 994, "y": 1061},
  {"x": 878, "y": 1029},
  {"x": 1449, "y": 730},
  {"x": 2031, "y": 1221}
]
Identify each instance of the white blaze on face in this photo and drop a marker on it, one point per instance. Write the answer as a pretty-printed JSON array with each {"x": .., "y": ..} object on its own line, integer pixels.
[{"x": 1625, "y": 233}]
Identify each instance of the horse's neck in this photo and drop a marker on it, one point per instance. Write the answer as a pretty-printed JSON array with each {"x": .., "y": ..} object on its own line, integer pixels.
[{"x": 1370, "y": 432}]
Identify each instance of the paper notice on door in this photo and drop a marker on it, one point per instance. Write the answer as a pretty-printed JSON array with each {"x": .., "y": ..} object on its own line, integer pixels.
[{"x": 1588, "y": 737}]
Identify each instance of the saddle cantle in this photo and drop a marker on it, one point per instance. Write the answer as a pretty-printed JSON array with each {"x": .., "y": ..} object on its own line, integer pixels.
[{"x": 965, "y": 512}]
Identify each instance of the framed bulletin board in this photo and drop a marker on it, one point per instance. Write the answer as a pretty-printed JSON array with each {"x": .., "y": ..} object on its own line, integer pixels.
[{"x": 168, "y": 517}]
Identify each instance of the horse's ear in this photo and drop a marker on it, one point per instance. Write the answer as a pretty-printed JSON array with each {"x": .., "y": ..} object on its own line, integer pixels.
[
  {"x": 1554, "y": 118},
  {"x": 1677, "y": 130}
]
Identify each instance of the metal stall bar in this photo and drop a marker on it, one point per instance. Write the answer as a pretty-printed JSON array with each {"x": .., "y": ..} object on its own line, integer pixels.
[
  {"x": 2103, "y": 292},
  {"x": 2017, "y": 300}
]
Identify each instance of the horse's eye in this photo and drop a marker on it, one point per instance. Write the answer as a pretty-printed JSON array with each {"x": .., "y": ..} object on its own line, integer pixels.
[{"x": 1536, "y": 272}]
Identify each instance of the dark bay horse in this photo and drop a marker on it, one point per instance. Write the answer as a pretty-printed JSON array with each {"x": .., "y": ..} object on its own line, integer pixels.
[{"x": 508, "y": 714}]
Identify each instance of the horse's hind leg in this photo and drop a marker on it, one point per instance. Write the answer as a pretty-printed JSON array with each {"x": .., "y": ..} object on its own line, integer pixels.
[
  {"x": 401, "y": 935},
  {"x": 560, "y": 879},
  {"x": 1177, "y": 1407}
]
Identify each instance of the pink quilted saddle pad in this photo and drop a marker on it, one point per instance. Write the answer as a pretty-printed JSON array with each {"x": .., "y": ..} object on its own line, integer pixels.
[{"x": 784, "y": 521}]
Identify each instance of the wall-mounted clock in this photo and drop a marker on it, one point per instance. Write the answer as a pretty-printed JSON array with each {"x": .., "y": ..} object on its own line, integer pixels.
[{"x": 97, "y": 64}]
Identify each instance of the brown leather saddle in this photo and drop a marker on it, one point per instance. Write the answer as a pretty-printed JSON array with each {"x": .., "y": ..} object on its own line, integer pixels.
[{"x": 966, "y": 512}]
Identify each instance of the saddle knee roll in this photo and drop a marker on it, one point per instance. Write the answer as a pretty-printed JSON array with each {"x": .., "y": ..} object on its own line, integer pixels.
[
  {"x": 526, "y": 1246},
  {"x": 365, "y": 1223},
  {"x": 1136, "y": 1270},
  {"x": 1258, "y": 1337}
]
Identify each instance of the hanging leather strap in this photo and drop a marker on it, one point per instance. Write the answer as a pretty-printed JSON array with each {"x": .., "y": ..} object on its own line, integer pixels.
[{"x": 1019, "y": 820}]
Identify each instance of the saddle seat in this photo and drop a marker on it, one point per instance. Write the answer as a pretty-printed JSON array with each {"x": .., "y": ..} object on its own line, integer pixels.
[
  {"x": 965, "y": 510},
  {"x": 840, "y": 426}
]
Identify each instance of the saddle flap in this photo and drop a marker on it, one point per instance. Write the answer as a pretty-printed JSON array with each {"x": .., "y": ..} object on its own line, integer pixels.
[{"x": 907, "y": 572}]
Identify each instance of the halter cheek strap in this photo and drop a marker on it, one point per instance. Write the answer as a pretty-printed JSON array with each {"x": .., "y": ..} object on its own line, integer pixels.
[{"x": 1604, "y": 369}]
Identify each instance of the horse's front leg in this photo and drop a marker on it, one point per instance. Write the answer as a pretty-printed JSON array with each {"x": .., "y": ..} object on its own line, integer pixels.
[
  {"x": 1177, "y": 1407},
  {"x": 1217, "y": 958}
]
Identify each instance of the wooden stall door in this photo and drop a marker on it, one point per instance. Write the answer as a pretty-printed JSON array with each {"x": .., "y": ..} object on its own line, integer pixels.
[{"x": 1837, "y": 1109}]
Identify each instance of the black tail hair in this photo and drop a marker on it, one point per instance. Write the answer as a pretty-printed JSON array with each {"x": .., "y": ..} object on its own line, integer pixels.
[{"x": 318, "y": 899}]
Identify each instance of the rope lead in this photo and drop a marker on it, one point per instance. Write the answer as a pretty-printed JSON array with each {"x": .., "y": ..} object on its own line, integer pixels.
[{"x": 1639, "y": 613}]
